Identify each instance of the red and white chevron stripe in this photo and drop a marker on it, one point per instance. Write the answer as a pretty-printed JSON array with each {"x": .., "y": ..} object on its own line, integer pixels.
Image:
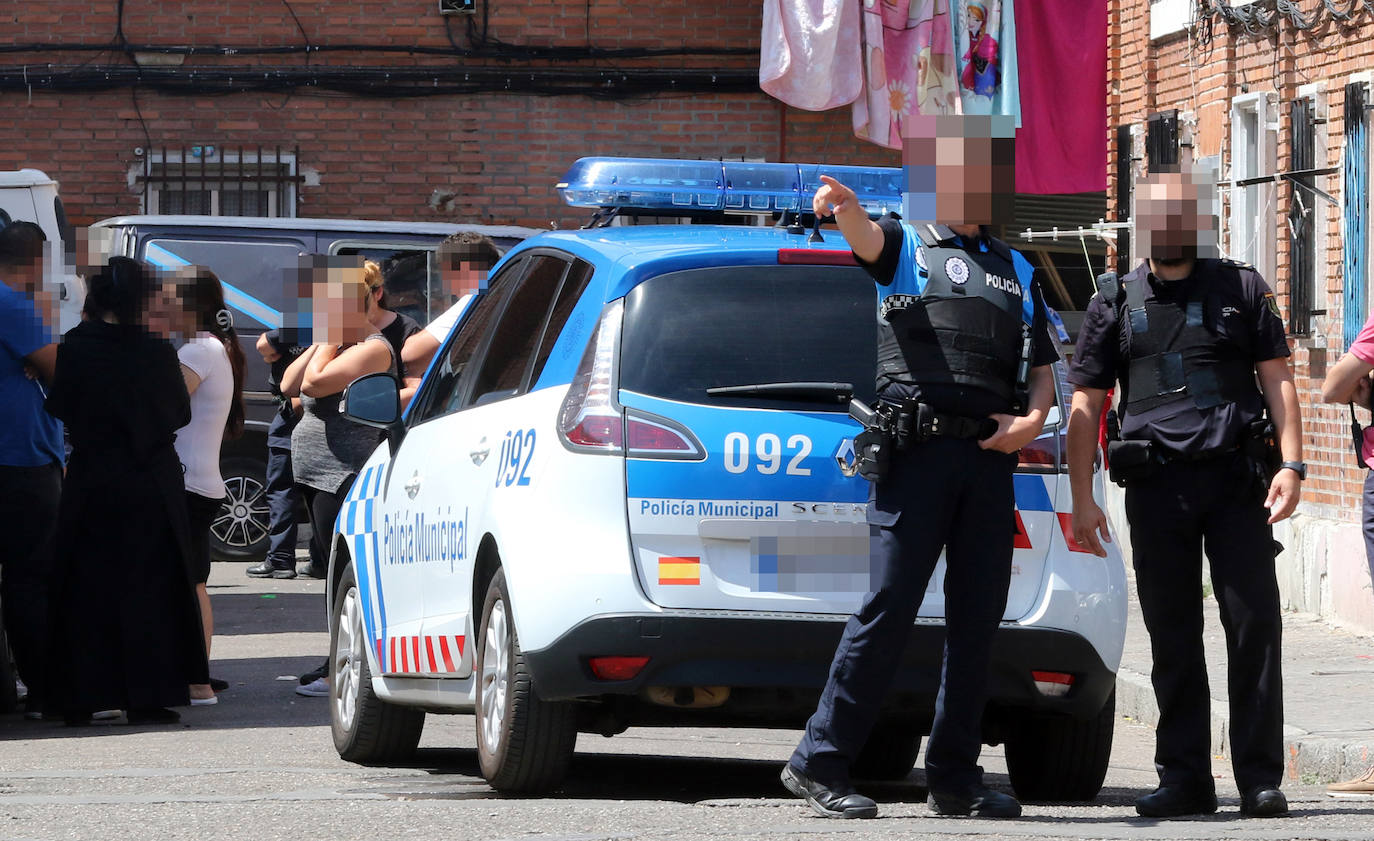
[{"x": 421, "y": 654}]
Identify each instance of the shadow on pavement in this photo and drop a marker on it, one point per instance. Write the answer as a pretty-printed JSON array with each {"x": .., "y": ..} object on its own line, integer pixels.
[{"x": 268, "y": 613}]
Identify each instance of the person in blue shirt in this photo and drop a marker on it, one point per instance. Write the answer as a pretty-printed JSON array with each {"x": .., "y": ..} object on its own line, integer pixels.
[{"x": 31, "y": 451}]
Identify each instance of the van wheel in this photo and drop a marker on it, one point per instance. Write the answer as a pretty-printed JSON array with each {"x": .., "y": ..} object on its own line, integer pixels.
[
  {"x": 1057, "y": 759},
  {"x": 524, "y": 744},
  {"x": 366, "y": 729},
  {"x": 889, "y": 754},
  {"x": 240, "y": 530}
]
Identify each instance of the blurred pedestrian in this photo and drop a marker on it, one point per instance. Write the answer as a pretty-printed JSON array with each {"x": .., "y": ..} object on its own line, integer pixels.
[
  {"x": 327, "y": 449},
  {"x": 1349, "y": 382},
  {"x": 465, "y": 259},
  {"x": 31, "y": 452},
  {"x": 126, "y": 628},
  {"x": 281, "y": 491},
  {"x": 212, "y": 367}
]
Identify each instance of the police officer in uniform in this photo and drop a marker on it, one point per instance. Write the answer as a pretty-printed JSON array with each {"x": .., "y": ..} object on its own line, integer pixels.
[
  {"x": 1186, "y": 336},
  {"x": 964, "y": 348}
]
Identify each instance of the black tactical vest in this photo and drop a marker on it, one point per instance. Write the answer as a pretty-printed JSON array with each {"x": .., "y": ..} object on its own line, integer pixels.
[
  {"x": 956, "y": 317},
  {"x": 1174, "y": 354}
]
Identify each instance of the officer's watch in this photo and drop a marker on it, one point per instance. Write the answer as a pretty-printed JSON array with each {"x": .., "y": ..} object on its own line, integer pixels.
[{"x": 1297, "y": 467}]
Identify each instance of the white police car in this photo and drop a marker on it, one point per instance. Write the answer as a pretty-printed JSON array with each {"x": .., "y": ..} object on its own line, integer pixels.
[{"x": 618, "y": 500}]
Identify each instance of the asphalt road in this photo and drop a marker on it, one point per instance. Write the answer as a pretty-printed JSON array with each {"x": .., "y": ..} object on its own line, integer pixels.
[{"x": 260, "y": 765}]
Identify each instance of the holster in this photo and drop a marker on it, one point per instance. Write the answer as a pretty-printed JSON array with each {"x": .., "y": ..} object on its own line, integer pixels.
[
  {"x": 1261, "y": 447},
  {"x": 1131, "y": 461},
  {"x": 874, "y": 445}
]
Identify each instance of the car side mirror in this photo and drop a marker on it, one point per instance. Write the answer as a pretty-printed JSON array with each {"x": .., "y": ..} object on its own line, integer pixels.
[{"x": 373, "y": 400}]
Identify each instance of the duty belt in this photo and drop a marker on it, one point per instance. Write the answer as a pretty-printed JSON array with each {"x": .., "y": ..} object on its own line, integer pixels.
[{"x": 915, "y": 422}]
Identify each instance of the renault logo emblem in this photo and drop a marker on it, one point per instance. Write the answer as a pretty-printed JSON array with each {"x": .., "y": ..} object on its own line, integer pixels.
[{"x": 845, "y": 457}]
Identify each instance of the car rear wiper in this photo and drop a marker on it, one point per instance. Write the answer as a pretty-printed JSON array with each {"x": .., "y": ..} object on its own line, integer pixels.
[{"x": 832, "y": 392}]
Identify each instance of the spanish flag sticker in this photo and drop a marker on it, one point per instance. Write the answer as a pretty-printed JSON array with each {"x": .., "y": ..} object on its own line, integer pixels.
[{"x": 679, "y": 570}]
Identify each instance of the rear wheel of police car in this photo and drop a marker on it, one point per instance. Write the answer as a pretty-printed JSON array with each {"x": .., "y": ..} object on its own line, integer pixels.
[
  {"x": 1057, "y": 758},
  {"x": 366, "y": 729},
  {"x": 239, "y": 531},
  {"x": 524, "y": 743}
]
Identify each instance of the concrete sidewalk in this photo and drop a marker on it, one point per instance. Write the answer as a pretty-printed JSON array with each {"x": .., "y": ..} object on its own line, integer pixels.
[{"x": 1328, "y": 683}]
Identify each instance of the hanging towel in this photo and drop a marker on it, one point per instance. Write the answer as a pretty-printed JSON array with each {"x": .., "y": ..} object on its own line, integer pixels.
[
  {"x": 810, "y": 53},
  {"x": 1062, "y": 144},
  {"x": 908, "y": 67},
  {"x": 985, "y": 46}
]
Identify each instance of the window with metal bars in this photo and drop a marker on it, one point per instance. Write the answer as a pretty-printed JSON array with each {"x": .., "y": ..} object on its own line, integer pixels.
[
  {"x": 1302, "y": 209},
  {"x": 1161, "y": 141},
  {"x": 213, "y": 181}
]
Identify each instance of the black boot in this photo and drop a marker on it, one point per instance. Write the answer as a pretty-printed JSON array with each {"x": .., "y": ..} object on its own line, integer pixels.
[
  {"x": 1175, "y": 801},
  {"x": 979, "y": 801},
  {"x": 828, "y": 802}
]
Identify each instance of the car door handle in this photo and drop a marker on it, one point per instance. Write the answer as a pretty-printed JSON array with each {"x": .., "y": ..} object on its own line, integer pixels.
[
  {"x": 413, "y": 486},
  {"x": 480, "y": 455}
]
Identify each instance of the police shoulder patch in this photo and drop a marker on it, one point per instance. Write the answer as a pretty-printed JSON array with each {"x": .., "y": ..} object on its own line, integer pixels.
[
  {"x": 1237, "y": 264},
  {"x": 1272, "y": 303}
]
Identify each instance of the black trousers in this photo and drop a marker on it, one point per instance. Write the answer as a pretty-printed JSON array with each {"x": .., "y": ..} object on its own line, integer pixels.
[
  {"x": 324, "y": 510},
  {"x": 29, "y": 498},
  {"x": 282, "y": 495},
  {"x": 945, "y": 494},
  {"x": 1217, "y": 505}
]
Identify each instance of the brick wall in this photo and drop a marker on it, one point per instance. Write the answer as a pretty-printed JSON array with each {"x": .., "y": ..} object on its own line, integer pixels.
[
  {"x": 1178, "y": 72},
  {"x": 383, "y": 157}
]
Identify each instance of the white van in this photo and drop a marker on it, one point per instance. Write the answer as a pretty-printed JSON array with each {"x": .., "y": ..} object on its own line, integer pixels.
[{"x": 29, "y": 195}]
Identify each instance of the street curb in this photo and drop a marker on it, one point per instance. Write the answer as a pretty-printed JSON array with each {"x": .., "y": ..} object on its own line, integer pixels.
[{"x": 1311, "y": 758}]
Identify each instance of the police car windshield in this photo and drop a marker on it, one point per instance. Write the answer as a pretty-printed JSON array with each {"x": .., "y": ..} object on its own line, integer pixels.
[{"x": 785, "y": 337}]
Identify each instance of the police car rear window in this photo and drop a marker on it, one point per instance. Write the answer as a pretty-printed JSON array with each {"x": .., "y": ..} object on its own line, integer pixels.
[{"x": 690, "y": 331}]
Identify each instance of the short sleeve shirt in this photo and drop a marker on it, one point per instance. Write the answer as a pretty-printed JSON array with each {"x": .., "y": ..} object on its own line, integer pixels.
[
  {"x": 198, "y": 443},
  {"x": 1240, "y": 307},
  {"x": 884, "y": 271},
  {"x": 29, "y": 436}
]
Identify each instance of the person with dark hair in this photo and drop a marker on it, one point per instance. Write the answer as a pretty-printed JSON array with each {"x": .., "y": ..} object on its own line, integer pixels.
[
  {"x": 31, "y": 452},
  {"x": 125, "y": 625},
  {"x": 212, "y": 366}
]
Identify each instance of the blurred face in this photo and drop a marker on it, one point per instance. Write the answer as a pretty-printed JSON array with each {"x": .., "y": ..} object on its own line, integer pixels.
[
  {"x": 1173, "y": 218},
  {"x": 961, "y": 169},
  {"x": 167, "y": 314},
  {"x": 464, "y": 279},
  {"x": 341, "y": 306}
]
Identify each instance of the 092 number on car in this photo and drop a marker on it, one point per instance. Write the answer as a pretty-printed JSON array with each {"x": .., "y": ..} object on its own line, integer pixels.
[{"x": 766, "y": 454}]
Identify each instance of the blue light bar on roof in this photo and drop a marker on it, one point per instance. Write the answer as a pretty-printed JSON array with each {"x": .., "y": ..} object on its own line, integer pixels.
[{"x": 730, "y": 186}]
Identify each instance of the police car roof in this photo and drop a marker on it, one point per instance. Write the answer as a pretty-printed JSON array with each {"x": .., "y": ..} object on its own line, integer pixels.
[{"x": 629, "y": 255}]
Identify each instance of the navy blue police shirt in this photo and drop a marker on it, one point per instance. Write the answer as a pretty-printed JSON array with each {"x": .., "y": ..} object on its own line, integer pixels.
[
  {"x": 948, "y": 397},
  {"x": 279, "y": 430},
  {"x": 1238, "y": 308}
]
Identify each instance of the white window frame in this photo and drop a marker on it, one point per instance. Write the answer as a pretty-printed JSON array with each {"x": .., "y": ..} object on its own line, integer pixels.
[
  {"x": 227, "y": 161},
  {"x": 1253, "y": 213}
]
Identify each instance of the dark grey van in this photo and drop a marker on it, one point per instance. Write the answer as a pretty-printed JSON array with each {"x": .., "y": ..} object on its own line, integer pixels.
[{"x": 252, "y": 257}]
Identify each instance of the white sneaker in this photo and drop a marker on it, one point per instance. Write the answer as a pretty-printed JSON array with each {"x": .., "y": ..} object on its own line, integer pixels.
[
  {"x": 106, "y": 715},
  {"x": 317, "y": 688}
]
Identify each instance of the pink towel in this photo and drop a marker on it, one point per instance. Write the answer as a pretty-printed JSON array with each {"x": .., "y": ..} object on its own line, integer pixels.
[
  {"x": 810, "y": 52},
  {"x": 908, "y": 67}
]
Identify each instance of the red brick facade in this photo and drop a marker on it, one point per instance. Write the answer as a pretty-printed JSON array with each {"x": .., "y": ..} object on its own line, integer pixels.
[
  {"x": 1181, "y": 71},
  {"x": 383, "y": 157}
]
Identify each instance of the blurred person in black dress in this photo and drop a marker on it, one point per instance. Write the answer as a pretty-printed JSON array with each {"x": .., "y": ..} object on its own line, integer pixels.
[{"x": 125, "y": 621}]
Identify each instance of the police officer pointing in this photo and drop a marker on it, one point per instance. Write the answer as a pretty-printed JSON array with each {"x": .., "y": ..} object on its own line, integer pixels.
[
  {"x": 964, "y": 360},
  {"x": 1185, "y": 336}
]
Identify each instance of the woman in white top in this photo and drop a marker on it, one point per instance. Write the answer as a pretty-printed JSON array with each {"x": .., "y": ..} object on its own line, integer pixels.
[{"x": 212, "y": 364}]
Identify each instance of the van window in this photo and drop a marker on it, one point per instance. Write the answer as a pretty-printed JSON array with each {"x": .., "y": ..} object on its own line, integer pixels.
[
  {"x": 258, "y": 285},
  {"x": 688, "y": 331},
  {"x": 413, "y": 284}
]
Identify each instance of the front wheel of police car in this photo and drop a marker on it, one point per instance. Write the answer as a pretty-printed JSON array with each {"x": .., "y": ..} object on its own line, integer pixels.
[
  {"x": 366, "y": 729},
  {"x": 524, "y": 743}
]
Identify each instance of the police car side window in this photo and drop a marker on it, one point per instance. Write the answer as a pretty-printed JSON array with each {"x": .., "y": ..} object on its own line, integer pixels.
[
  {"x": 573, "y": 286},
  {"x": 445, "y": 395},
  {"x": 514, "y": 341}
]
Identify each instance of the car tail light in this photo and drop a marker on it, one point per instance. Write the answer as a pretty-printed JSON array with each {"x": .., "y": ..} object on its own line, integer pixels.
[
  {"x": 1046, "y": 454},
  {"x": 815, "y": 257},
  {"x": 590, "y": 419},
  {"x": 650, "y": 436},
  {"x": 1054, "y": 684},
  {"x": 616, "y": 668}
]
